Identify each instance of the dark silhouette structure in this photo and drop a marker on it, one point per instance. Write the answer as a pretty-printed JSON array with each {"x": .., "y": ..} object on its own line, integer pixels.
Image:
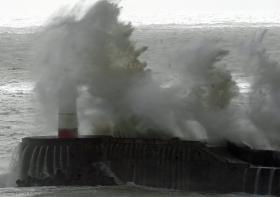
[{"x": 172, "y": 163}]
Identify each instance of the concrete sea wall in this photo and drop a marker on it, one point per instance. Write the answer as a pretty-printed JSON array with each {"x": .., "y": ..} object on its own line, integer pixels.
[{"x": 173, "y": 163}]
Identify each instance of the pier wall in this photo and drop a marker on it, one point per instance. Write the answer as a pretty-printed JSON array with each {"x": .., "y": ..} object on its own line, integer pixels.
[{"x": 174, "y": 164}]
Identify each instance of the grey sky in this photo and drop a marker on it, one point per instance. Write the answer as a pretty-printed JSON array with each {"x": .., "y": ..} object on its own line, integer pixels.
[{"x": 44, "y": 8}]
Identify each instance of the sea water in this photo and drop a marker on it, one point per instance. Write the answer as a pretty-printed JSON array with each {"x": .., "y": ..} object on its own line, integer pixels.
[{"x": 19, "y": 107}]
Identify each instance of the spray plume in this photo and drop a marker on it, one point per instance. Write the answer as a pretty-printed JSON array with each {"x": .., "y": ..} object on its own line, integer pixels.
[
  {"x": 93, "y": 60},
  {"x": 264, "y": 96}
]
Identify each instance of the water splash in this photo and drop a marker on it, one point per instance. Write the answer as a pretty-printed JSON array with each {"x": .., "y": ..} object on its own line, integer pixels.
[
  {"x": 257, "y": 180},
  {"x": 15, "y": 163},
  {"x": 91, "y": 57},
  {"x": 270, "y": 180}
]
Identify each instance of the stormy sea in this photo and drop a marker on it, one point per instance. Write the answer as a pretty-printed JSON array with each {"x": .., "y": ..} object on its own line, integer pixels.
[{"x": 208, "y": 81}]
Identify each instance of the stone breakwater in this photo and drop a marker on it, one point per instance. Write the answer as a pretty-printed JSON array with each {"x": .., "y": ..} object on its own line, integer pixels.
[{"x": 161, "y": 163}]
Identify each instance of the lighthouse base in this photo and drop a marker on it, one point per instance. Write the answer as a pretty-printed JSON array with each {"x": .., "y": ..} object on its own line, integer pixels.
[{"x": 174, "y": 164}]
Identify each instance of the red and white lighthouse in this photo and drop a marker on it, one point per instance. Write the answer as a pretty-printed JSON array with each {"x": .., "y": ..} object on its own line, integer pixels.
[{"x": 67, "y": 119}]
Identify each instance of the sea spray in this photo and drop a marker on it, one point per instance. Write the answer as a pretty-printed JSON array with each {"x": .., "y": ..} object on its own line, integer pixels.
[
  {"x": 93, "y": 59},
  {"x": 14, "y": 168},
  {"x": 202, "y": 89},
  {"x": 96, "y": 55},
  {"x": 93, "y": 54},
  {"x": 263, "y": 105}
]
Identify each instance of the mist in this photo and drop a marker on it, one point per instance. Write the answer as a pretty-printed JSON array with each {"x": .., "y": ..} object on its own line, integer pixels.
[{"x": 94, "y": 61}]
